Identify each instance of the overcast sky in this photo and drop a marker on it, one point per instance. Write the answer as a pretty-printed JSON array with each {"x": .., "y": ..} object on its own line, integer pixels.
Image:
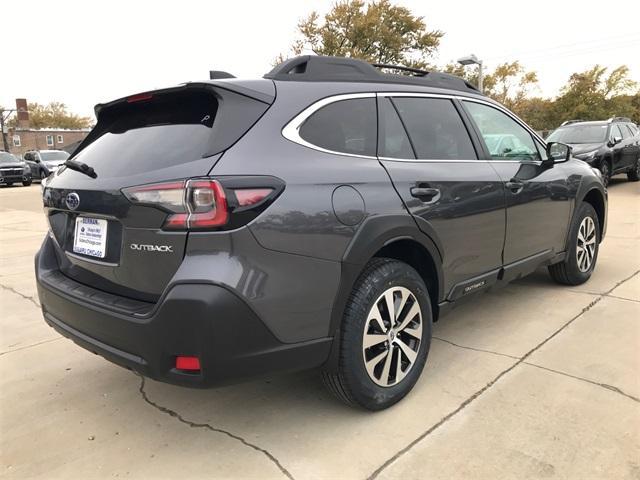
[{"x": 83, "y": 52}]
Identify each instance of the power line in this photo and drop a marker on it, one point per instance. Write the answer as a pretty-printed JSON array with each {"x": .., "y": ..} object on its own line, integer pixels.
[{"x": 609, "y": 42}]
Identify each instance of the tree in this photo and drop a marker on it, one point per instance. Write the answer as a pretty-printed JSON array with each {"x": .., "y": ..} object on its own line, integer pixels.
[
  {"x": 53, "y": 115},
  {"x": 377, "y": 32},
  {"x": 592, "y": 95}
]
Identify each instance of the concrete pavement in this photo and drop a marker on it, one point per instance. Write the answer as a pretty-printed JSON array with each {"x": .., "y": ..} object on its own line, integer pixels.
[{"x": 531, "y": 381}]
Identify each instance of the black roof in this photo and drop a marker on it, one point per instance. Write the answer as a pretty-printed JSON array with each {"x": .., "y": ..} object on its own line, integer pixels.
[{"x": 315, "y": 68}]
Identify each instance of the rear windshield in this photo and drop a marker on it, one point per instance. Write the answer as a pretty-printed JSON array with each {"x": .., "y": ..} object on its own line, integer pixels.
[
  {"x": 168, "y": 130},
  {"x": 50, "y": 156},
  {"x": 579, "y": 134}
]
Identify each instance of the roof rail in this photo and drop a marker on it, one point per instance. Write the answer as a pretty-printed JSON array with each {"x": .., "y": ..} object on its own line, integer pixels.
[
  {"x": 417, "y": 71},
  {"x": 217, "y": 74},
  {"x": 318, "y": 68},
  {"x": 619, "y": 119},
  {"x": 569, "y": 122}
]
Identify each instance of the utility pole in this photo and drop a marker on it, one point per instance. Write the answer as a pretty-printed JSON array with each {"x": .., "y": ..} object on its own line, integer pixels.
[{"x": 3, "y": 119}]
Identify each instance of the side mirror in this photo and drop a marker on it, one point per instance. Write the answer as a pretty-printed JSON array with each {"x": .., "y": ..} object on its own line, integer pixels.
[
  {"x": 616, "y": 140},
  {"x": 558, "y": 151}
]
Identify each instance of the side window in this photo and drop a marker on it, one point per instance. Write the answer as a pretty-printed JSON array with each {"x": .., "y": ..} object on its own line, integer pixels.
[
  {"x": 625, "y": 132},
  {"x": 346, "y": 126},
  {"x": 393, "y": 141},
  {"x": 615, "y": 132},
  {"x": 505, "y": 138},
  {"x": 633, "y": 128},
  {"x": 435, "y": 128}
]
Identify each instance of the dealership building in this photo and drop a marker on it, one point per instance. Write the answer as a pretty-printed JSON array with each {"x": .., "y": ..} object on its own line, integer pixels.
[{"x": 22, "y": 137}]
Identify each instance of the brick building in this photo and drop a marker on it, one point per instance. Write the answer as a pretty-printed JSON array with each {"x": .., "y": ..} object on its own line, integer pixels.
[{"x": 23, "y": 138}]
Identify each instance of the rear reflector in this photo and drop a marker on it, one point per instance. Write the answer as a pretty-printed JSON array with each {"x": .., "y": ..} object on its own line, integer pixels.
[
  {"x": 251, "y": 196},
  {"x": 187, "y": 363}
]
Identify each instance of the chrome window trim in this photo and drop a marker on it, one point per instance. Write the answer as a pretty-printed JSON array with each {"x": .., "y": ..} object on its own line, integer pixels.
[{"x": 291, "y": 131}]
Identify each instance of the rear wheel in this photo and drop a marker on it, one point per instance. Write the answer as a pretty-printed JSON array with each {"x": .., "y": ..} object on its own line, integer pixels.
[
  {"x": 582, "y": 251},
  {"x": 634, "y": 174},
  {"x": 385, "y": 336},
  {"x": 605, "y": 169}
]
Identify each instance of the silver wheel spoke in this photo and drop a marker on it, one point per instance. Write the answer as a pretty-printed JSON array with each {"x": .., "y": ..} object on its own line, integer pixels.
[
  {"x": 399, "y": 373},
  {"x": 411, "y": 314},
  {"x": 411, "y": 355},
  {"x": 371, "y": 364},
  {"x": 372, "y": 339},
  {"x": 374, "y": 314},
  {"x": 414, "y": 332},
  {"x": 386, "y": 370},
  {"x": 388, "y": 297}
]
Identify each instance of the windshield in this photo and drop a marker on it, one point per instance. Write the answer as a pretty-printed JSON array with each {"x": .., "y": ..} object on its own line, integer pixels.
[
  {"x": 8, "y": 158},
  {"x": 579, "y": 134},
  {"x": 52, "y": 156}
]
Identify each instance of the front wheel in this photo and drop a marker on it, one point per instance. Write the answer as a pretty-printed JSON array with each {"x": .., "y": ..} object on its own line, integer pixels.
[
  {"x": 26, "y": 183},
  {"x": 584, "y": 242},
  {"x": 634, "y": 174},
  {"x": 385, "y": 336}
]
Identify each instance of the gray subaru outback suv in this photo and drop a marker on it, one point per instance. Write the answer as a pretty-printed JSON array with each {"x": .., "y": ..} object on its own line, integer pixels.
[{"x": 323, "y": 216}]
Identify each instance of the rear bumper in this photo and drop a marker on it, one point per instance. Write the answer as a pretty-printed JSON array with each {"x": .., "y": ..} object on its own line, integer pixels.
[{"x": 194, "y": 319}]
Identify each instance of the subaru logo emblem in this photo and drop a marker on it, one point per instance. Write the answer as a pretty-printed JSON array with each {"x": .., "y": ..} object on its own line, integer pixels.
[{"x": 72, "y": 200}]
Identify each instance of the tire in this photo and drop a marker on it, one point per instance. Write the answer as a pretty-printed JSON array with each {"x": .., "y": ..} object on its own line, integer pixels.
[
  {"x": 377, "y": 387},
  {"x": 26, "y": 183},
  {"x": 605, "y": 169},
  {"x": 9, "y": 184},
  {"x": 577, "y": 269},
  {"x": 634, "y": 174}
]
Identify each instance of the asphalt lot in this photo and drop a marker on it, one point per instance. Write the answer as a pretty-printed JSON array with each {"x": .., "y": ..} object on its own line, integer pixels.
[{"x": 532, "y": 381}]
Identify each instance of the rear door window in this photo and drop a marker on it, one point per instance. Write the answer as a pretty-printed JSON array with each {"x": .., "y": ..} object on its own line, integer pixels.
[
  {"x": 435, "y": 128},
  {"x": 345, "y": 126},
  {"x": 393, "y": 141}
]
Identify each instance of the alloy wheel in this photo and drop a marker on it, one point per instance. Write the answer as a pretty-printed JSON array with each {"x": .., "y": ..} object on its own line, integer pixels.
[
  {"x": 392, "y": 336},
  {"x": 586, "y": 246}
]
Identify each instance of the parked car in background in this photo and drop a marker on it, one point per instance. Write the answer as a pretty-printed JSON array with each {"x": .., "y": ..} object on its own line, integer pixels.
[
  {"x": 44, "y": 162},
  {"x": 612, "y": 146},
  {"x": 13, "y": 170},
  {"x": 215, "y": 230}
]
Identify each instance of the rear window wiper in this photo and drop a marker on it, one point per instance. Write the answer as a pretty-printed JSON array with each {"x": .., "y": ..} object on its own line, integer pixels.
[{"x": 81, "y": 167}]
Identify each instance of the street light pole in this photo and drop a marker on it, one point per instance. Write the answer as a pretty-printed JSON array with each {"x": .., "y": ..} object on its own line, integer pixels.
[{"x": 473, "y": 60}]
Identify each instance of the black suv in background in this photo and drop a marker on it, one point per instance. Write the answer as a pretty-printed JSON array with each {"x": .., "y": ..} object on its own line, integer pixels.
[
  {"x": 612, "y": 146},
  {"x": 322, "y": 216}
]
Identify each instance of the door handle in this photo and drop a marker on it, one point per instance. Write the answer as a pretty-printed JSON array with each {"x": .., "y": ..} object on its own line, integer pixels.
[
  {"x": 515, "y": 186},
  {"x": 424, "y": 193}
]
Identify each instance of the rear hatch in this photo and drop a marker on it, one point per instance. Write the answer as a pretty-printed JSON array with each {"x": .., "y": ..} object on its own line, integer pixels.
[{"x": 105, "y": 240}]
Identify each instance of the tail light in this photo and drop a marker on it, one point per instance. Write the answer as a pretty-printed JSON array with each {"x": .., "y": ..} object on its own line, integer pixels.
[{"x": 205, "y": 204}]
